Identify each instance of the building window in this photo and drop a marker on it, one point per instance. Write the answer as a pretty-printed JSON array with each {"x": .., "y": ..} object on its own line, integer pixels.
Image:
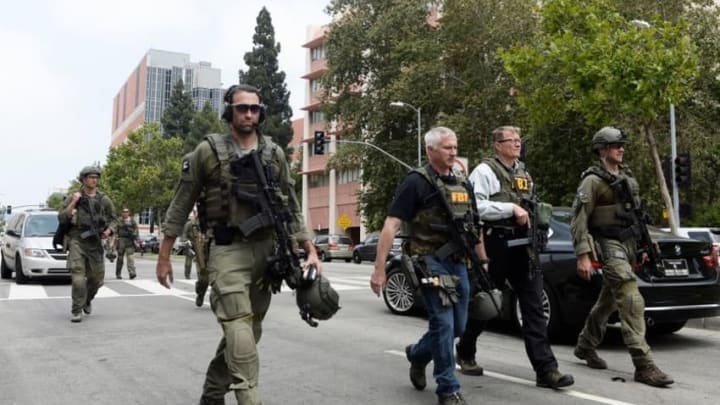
[
  {"x": 317, "y": 180},
  {"x": 144, "y": 216},
  {"x": 315, "y": 85},
  {"x": 317, "y": 53},
  {"x": 315, "y": 117},
  {"x": 348, "y": 176}
]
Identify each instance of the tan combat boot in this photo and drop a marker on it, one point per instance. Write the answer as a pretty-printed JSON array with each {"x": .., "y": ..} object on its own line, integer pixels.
[
  {"x": 651, "y": 375},
  {"x": 591, "y": 358}
]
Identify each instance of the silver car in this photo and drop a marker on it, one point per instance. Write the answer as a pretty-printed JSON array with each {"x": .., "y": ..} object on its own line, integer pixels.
[
  {"x": 330, "y": 247},
  {"x": 27, "y": 247}
]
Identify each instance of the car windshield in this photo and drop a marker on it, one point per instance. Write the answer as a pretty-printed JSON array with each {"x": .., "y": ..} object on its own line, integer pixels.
[
  {"x": 343, "y": 240},
  {"x": 41, "y": 225},
  {"x": 562, "y": 216},
  {"x": 704, "y": 236}
]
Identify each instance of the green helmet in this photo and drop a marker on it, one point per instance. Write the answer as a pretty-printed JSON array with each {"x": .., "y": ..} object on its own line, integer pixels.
[
  {"x": 88, "y": 170},
  {"x": 319, "y": 300},
  {"x": 607, "y": 136},
  {"x": 482, "y": 307}
]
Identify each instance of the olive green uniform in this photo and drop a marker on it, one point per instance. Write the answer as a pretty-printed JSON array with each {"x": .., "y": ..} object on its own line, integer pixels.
[
  {"x": 127, "y": 232},
  {"x": 236, "y": 261},
  {"x": 85, "y": 251},
  {"x": 598, "y": 215}
]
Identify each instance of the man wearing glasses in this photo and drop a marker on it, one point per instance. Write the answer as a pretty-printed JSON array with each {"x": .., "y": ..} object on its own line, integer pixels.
[
  {"x": 218, "y": 177},
  {"x": 601, "y": 228},
  {"x": 500, "y": 184},
  {"x": 127, "y": 234}
]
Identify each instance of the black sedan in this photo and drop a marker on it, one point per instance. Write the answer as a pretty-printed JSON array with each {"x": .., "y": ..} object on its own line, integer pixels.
[
  {"x": 148, "y": 243},
  {"x": 689, "y": 288},
  {"x": 367, "y": 249}
]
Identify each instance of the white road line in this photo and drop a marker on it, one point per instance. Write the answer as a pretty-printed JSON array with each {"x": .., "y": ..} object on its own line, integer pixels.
[
  {"x": 156, "y": 288},
  {"x": 150, "y": 286},
  {"x": 509, "y": 378},
  {"x": 26, "y": 292},
  {"x": 105, "y": 292}
]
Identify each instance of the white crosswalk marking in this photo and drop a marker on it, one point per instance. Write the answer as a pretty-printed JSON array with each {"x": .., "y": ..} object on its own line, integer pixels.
[
  {"x": 26, "y": 292},
  {"x": 105, "y": 292},
  {"x": 147, "y": 287}
]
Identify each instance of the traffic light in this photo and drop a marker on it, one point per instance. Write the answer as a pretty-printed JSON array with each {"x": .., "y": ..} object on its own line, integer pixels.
[
  {"x": 682, "y": 170},
  {"x": 319, "y": 144}
]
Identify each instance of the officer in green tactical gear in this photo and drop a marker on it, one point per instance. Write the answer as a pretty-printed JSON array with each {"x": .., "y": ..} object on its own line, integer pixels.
[
  {"x": 91, "y": 218},
  {"x": 240, "y": 238},
  {"x": 500, "y": 185},
  {"x": 127, "y": 235},
  {"x": 599, "y": 234},
  {"x": 421, "y": 200}
]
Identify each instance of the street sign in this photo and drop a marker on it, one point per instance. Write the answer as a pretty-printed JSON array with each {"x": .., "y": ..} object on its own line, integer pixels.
[{"x": 344, "y": 221}]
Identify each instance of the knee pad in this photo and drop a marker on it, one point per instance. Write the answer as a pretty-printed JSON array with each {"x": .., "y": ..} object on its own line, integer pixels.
[{"x": 241, "y": 354}]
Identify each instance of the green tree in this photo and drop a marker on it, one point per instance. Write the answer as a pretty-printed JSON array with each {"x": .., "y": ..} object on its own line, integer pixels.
[
  {"x": 206, "y": 121},
  {"x": 478, "y": 91},
  {"x": 590, "y": 61},
  {"x": 143, "y": 172},
  {"x": 378, "y": 52},
  {"x": 263, "y": 73},
  {"x": 179, "y": 113},
  {"x": 55, "y": 201}
]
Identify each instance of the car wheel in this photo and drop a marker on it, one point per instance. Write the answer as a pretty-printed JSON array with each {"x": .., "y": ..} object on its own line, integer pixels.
[
  {"x": 323, "y": 256},
  {"x": 356, "y": 258},
  {"x": 399, "y": 292},
  {"x": 20, "y": 277},
  {"x": 665, "y": 328},
  {"x": 5, "y": 271},
  {"x": 551, "y": 312}
]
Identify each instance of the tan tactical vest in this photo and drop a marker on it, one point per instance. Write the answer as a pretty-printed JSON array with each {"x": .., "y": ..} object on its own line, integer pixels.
[
  {"x": 126, "y": 229},
  {"x": 83, "y": 216},
  {"x": 220, "y": 205},
  {"x": 515, "y": 184},
  {"x": 610, "y": 210},
  {"x": 431, "y": 227}
]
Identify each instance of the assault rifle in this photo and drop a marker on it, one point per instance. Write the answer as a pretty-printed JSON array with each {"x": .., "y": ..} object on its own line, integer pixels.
[
  {"x": 638, "y": 216},
  {"x": 94, "y": 230},
  {"x": 538, "y": 231},
  {"x": 284, "y": 264},
  {"x": 464, "y": 240}
]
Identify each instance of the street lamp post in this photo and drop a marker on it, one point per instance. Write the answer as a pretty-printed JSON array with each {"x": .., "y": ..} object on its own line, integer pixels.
[
  {"x": 417, "y": 110},
  {"x": 642, "y": 24}
]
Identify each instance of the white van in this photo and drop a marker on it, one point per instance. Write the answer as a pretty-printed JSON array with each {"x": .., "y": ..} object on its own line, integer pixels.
[{"x": 27, "y": 247}]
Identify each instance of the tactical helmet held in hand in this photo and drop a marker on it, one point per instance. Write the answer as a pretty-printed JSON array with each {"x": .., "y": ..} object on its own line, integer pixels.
[
  {"x": 88, "y": 170},
  {"x": 482, "y": 307},
  {"x": 607, "y": 136},
  {"x": 318, "y": 301}
]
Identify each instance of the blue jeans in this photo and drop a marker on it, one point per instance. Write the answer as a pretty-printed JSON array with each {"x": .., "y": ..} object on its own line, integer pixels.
[{"x": 444, "y": 325}]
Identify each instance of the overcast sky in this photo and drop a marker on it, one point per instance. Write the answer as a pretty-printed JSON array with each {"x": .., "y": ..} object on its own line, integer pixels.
[{"x": 63, "y": 61}]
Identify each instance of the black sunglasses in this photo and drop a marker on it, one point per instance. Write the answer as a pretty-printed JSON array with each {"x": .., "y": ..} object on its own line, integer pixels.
[{"x": 244, "y": 108}]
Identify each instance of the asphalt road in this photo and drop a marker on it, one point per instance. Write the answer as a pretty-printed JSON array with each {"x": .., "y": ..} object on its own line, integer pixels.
[{"x": 147, "y": 345}]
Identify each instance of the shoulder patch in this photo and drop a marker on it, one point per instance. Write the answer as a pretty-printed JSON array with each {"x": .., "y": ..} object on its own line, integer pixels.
[{"x": 582, "y": 197}]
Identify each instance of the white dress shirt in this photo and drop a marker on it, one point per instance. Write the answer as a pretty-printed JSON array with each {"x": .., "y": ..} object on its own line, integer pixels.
[{"x": 485, "y": 183}]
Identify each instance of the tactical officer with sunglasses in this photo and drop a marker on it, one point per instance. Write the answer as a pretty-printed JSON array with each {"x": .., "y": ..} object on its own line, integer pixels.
[{"x": 241, "y": 238}]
